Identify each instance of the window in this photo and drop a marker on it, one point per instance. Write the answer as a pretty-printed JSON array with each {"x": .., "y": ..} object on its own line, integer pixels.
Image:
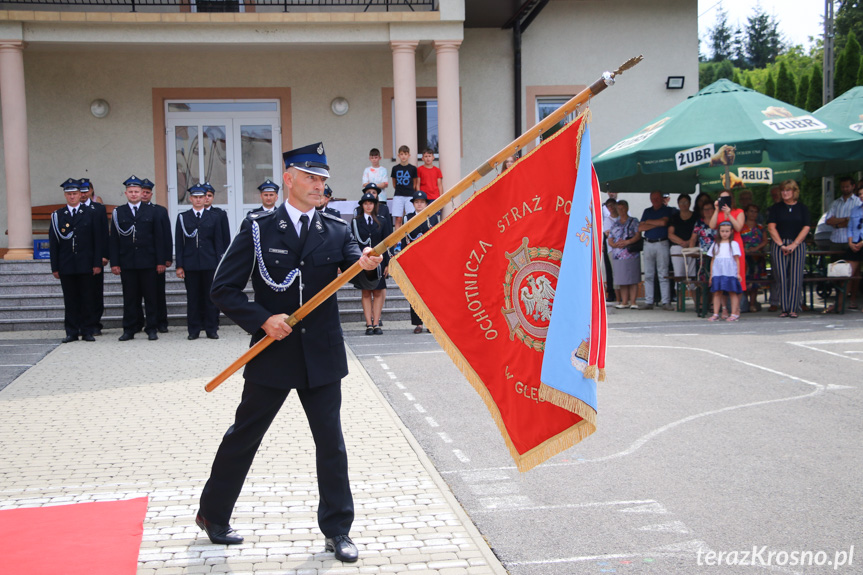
[
  {"x": 545, "y": 106},
  {"x": 218, "y": 6},
  {"x": 427, "y": 126}
]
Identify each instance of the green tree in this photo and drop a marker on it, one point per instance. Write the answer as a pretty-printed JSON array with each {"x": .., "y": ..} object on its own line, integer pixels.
[
  {"x": 736, "y": 78},
  {"x": 847, "y": 66},
  {"x": 802, "y": 92},
  {"x": 786, "y": 89},
  {"x": 748, "y": 82},
  {"x": 705, "y": 74},
  {"x": 815, "y": 97},
  {"x": 721, "y": 38},
  {"x": 770, "y": 87},
  {"x": 848, "y": 20},
  {"x": 762, "y": 38},
  {"x": 724, "y": 69}
]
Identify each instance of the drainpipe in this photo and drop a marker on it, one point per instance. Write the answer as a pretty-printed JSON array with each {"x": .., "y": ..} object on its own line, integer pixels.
[{"x": 516, "y": 46}]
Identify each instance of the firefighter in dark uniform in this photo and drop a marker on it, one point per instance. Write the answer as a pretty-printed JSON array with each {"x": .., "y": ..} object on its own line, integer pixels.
[
  {"x": 101, "y": 222},
  {"x": 161, "y": 295},
  {"x": 76, "y": 258},
  {"x": 383, "y": 210},
  {"x": 420, "y": 201},
  {"x": 269, "y": 196},
  {"x": 208, "y": 205},
  {"x": 324, "y": 207},
  {"x": 199, "y": 248},
  {"x": 138, "y": 256},
  {"x": 297, "y": 252}
]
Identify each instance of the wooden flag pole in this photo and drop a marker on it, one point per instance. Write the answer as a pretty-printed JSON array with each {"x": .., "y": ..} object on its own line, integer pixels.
[{"x": 529, "y": 136}]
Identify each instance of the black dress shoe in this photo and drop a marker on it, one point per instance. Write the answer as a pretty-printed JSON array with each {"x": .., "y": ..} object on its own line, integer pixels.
[
  {"x": 152, "y": 336},
  {"x": 219, "y": 534},
  {"x": 370, "y": 329},
  {"x": 212, "y": 335},
  {"x": 343, "y": 547},
  {"x": 88, "y": 337},
  {"x": 69, "y": 338},
  {"x": 126, "y": 336},
  {"x": 163, "y": 329},
  {"x": 378, "y": 330},
  {"x": 193, "y": 336}
]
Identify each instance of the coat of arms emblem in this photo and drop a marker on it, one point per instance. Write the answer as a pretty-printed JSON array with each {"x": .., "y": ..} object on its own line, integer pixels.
[{"x": 529, "y": 288}]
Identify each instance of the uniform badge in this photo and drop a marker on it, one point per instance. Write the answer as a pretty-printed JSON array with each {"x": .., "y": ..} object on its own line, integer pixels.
[
  {"x": 318, "y": 225},
  {"x": 283, "y": 224},
  {"x": 320, "y": 149}
]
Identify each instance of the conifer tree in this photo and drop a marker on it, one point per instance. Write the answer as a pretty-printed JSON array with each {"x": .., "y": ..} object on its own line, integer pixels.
[
  {"x": 847, "y": 66},
  {"x": 802, "y": 92},
  {"x": 770, "y": 86},
  {"x": 814, "y": 99},
  {"x": 786, "y": 90}
]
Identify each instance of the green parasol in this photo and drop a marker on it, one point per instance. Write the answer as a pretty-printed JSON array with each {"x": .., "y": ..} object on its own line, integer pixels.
[
  {"x": 846, "y": 110},
  {"x": 727, "y": 136}
]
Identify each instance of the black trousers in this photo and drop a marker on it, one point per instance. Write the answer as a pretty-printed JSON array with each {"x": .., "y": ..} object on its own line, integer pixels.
[
  {"x": 78, "y": 301},
  {"x": 609, "y": 273},
  {"x": 139, "y": 284},
  {"x": 415, "y": 319},
  {"x": 201, "y": 312},
  {"x": 256, "y": 412}
]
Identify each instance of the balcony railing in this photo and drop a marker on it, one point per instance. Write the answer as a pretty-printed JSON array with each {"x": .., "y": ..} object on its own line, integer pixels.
[{"x": 226, "y": 5}]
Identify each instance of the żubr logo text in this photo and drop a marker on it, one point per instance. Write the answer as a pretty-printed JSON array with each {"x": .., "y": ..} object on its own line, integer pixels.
[
  {"x": 694, "y": 156},
  {"x": 795, "y": 125}
]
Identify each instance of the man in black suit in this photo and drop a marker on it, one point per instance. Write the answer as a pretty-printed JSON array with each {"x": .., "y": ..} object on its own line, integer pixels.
[
  {"x": 101, "y": 221},
  {"x": 138, "y": 256},
  {"x": 298, "y": 251},
  {"x": 269, "y": 196},
  {"x": 199, "y": 248},
  {"x": 208, "y": 205},
  {"x": 161, "y": 296},
  {"x": 76, "y": 258}
]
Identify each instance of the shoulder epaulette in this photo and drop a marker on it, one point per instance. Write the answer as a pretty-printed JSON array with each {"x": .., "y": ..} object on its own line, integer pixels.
[
  {"x": 332, "y": 217},
  {"x": 259, "y": 215}
]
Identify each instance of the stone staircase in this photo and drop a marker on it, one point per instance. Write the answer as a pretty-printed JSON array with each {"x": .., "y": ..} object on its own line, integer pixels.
[{"x": 30, "y": 298}]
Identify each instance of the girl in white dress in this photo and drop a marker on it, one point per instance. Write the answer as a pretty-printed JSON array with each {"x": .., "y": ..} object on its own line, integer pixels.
[{"x": 725, "y": 273}]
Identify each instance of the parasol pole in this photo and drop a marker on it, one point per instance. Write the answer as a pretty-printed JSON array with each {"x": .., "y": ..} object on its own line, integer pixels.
[{"x": 607, "y": 79}]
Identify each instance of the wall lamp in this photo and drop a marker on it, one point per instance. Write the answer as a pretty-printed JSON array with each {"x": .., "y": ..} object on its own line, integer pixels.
[{"x": 674, "y": 83}]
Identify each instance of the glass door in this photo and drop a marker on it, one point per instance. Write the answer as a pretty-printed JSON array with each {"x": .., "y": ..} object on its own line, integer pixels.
[{"x": 257, "y": 158}]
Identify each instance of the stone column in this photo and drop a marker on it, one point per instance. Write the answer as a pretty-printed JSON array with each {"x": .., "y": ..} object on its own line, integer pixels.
[
  {"x": 405, "y": 97},
  {"x": 449, "y": 114},
  {"x": 13, "y": 105}
]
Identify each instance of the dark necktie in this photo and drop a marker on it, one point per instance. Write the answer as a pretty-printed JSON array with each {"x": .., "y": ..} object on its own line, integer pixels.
[
  {"x": 304, "y": 229},
  {"x": 134, "y": 211},
  {"x": 74, "y": 212},
  {"x": 198, "y": 215},
  {"x": 369, "y": 219}
]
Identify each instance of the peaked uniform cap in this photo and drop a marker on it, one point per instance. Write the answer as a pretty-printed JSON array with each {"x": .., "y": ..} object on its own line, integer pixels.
[
  {"x": 311, "y": 159},
  {"x": 420, "y": 195},
  {"x": 84, "y": 183},
  {"x": 147, "y": 184},
  {"x": 71, "y": 185},
  {"x": 269, "y": 186},
  {"x": 197, "y": 190},
  {"x": 133, "y": 181},
  {"x": 208, "y": 187},
  {"x": 371, "y": 186},
  {"x": 328, "y": 191}
]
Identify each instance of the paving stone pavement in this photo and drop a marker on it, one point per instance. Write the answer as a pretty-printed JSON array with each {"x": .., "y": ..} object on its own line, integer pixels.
[{"x": 113, "y": 420}]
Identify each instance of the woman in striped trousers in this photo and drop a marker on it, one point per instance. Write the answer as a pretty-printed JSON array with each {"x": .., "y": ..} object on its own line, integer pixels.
[{"x": 788, "y": 225}]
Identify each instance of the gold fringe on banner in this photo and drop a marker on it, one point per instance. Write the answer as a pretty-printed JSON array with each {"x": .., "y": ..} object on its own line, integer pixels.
[{"x": 550, "y": 447}]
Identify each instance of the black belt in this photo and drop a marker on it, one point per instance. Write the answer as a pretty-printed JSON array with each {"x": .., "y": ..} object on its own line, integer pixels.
[{"x": 654, "y": 241}]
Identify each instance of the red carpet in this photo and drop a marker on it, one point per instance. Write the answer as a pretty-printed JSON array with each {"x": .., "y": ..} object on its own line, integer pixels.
[{"x": 101, "y": 538}]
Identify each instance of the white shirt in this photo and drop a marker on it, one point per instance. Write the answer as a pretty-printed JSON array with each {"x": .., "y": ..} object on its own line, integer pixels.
[
  {"x": 198, "y": 212},
  {"x": 841, "y": 208},
  {"x": 376, "y": 176},
  {"x": 134, "y": 207},
  {"x": 295, "y": 214},
  {"x": 70, "y": 208}
]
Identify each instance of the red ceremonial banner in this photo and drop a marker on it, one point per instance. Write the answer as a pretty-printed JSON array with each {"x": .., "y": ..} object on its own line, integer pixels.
[{"x": 467, "y": 277}]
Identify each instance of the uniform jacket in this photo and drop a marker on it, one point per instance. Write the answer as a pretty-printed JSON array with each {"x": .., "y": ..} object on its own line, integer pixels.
[
  {"x": 423, "y": 228},
  {"x": 83, "y": 250},
  {"x": 225, "y": 226},
  {"x": 383, "y": 211},
  {"x": 146, "y": 247},
  {"x": 162, "y": 212},
  {"x": 314, "y": 353},
  {"x": 362, "y": 231},
  {"x": 100, "y": 220},
  {"x": 204, "y": 251},
  {"x": 332, "y": 212}
]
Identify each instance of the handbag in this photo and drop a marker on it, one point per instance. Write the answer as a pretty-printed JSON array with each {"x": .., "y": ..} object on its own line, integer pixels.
[
  {"x": 636, "y": 247},
  {"x": 839, "y": 269}
]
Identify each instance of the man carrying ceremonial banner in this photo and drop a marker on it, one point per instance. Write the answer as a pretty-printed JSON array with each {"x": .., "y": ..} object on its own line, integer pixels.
[{"x": 517, "y": 303}]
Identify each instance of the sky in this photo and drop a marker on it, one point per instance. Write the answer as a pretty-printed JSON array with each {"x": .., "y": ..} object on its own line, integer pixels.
[{"x": 798, "y": 19}]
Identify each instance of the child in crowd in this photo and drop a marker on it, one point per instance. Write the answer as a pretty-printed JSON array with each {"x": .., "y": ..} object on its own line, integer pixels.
[
  {"x": 430, "y": 176},
  {"x": 420, "y": 202},
  {"x": 725, "y": 273},
  {"x": 376, "y": 174},
  {"x": 404, "y": 176}
]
